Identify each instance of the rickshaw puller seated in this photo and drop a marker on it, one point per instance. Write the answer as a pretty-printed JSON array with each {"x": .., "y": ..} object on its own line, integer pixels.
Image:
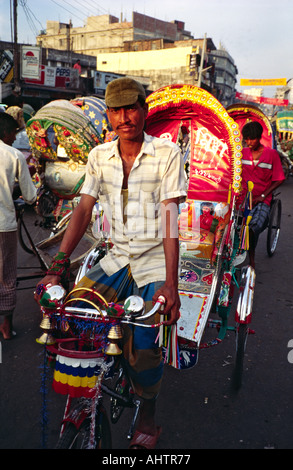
[{"x": 262, "y": 166}]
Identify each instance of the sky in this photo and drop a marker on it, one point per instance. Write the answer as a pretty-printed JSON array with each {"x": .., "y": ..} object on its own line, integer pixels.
[{"x": 258, "y": 34}]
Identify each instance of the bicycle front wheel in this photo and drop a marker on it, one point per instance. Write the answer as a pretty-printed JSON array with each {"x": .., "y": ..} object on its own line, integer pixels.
[
  {"x": 32, "y": 229},
  {"x": 274, "y": 227},
  {"x": 80, "y": 438}
]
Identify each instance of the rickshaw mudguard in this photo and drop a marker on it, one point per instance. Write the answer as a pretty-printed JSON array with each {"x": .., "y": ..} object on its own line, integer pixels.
[
  {"x": 245, "y": 301},
  {"x": 192, "y": 116}
]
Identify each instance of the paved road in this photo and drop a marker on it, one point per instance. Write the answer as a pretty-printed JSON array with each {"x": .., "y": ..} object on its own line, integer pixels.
[{"x": 197, "y": 408}]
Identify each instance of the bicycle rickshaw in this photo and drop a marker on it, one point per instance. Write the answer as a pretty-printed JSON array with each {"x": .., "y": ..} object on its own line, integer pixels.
[
  {"x": 243, "y": 113},
  {"x": 213, "y": 242},
  {"x": 61, "y": 136},
  {"x": 283, "y": 122}
]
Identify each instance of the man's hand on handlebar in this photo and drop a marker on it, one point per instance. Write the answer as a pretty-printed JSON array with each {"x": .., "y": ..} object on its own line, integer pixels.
[
  {"x": 172, "y": 305},
  {"x": 48, "y": 279}
]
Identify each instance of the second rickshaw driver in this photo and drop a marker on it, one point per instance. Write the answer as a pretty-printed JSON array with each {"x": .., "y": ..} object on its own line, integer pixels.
[{"x": 139, "y": 181}]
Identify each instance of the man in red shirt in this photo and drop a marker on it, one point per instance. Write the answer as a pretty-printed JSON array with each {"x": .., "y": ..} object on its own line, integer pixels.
[
  {"x": 77, "y": 66},
  {"x": 262, "y": 166}
]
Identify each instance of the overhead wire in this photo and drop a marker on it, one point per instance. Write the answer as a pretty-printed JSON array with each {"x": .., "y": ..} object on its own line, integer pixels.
[
  {"x": 29, "y": 17},
  {"x": 68, "y": 11},
  {"x": 83, "y": 17}
]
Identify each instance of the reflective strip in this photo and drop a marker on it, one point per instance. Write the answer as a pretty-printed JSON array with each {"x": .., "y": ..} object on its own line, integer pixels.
[{"x": 269, "y": 166}]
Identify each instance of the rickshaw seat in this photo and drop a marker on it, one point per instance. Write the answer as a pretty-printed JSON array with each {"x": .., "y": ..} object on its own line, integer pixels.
[
  {"x": 199, "y": 268},
  {"x": 199, "y": 240}
]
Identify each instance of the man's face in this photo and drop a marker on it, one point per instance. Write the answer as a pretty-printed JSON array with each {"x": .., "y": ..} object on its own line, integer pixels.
[
  {"x": 253, "y": 144},
  {"x": 128, "y": 121},
  {"x": 9, "y": 137}
]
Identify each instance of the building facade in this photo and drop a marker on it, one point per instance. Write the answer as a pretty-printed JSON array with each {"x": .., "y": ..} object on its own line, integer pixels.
[
  {"x": 225, "y": 72},
  {"x": 105, "y": 33}
]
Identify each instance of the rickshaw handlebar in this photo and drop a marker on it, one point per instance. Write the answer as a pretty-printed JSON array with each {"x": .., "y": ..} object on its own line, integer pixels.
[
  {"x": 129, "y": 317},
  {"x": 132, "y": 311}
]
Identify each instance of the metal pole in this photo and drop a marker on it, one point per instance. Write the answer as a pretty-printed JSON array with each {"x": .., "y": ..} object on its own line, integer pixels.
[
  {"x": 202, "y": 61},
  {"x": 15, "y": 46}
]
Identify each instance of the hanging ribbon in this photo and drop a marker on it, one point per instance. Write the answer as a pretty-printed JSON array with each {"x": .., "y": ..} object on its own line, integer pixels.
[{"x": 244, "y": 235}]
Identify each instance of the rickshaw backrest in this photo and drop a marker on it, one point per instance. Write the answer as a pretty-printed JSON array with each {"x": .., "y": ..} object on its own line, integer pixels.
[{"x": 243, "y": 113}]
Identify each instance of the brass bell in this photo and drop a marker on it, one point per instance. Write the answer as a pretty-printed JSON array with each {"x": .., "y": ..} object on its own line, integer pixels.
[
  {"x": 115, "y": 332},
  {"x": 45, "y": 323},
  {"x": 46, "y": 337},
  {"x": 113, "y": 349}
]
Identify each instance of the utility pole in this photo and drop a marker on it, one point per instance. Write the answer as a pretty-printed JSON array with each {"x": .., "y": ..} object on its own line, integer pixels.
[
  {"x": 202, "y": 61},
  {"x": 201, "y": 69},
  {"x": 15, "y": 46}
]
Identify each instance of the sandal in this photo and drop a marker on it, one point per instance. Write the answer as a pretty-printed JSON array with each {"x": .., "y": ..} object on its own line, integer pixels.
[{"x": 145, "y": 441}]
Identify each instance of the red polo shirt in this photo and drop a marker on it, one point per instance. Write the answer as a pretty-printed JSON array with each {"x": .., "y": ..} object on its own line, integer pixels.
[{"x": 262, "y": 174}]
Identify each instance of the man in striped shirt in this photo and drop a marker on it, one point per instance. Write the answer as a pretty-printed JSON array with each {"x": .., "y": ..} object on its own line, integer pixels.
[
  {"x": 139, "y": 180},
  {"x": 262, "y": 166}
]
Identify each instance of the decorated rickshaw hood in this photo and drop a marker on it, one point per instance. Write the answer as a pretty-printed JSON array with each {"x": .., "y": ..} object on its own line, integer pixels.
[
  {"x": 73, "y": 129},
  {"x": 191, "y": 113},
  {"x": 244, "y": 113}
]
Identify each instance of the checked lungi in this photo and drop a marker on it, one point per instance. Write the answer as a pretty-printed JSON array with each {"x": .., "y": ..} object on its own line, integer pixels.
[
  {"x": 8, "y": 271},
  {"x": 260, "y": 218},
  {"x": 141, "y": 354}
]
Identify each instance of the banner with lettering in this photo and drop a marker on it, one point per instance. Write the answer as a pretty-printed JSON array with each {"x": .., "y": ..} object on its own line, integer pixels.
[
  {"x": 263, "y": 82},
  {"x": 261, "y": 99},
  {"x": 210, "y": 166}
]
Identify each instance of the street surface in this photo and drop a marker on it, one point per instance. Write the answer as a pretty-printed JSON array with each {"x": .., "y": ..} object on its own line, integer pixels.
[{"x": 197, "y": 408}]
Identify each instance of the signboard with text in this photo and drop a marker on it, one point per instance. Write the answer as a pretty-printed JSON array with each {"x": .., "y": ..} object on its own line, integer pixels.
[
  {"x": 6, "y": 66},
  {"x": 59, "y": 77},
  {"x": 101, "y": 80},
  {"x": 30, "y": 62}
]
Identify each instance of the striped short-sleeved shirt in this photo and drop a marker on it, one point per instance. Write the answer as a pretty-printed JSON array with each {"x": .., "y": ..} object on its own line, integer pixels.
[{"x": 156, "y": 176}]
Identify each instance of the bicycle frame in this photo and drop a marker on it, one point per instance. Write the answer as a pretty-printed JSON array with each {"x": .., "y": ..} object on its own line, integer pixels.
[
  {"x": 19, "y": 208},
  {"x": 90, "y": 407}
]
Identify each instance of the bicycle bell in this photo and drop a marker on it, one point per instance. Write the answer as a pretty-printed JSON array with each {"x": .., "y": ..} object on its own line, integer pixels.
[
  {"x": 56, "y": 292},
  {"x": 134, "y": 305},
  {"x": 51, "y": 295}
]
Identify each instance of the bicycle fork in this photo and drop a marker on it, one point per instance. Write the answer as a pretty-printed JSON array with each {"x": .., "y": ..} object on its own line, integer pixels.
[
  {"x": 132, "y": 424},
  {"x": 126, "y": 402}
]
